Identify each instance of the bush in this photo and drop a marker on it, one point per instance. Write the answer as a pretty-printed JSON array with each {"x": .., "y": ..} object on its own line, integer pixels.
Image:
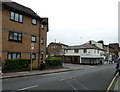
[
  {"x": 16, "y": 64},
  {"x": 53, "y": 61}
]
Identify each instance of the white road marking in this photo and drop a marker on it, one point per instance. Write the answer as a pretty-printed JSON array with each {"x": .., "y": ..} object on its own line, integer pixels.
[
  {"x": 27, "y": 88},
  {"x": 72, "y": 86},
  {"x": 74, "y": 80},
  {"x": 66, "y": 79},
  {"x": 81, "y": 84}
]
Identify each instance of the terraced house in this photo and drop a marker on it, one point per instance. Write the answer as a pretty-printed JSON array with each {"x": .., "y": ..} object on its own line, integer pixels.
[
  {"x": 23, "y": 30},
  {"x": 88, "y": 53}
]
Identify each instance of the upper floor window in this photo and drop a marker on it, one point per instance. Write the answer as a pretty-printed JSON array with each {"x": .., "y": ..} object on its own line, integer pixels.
[
  {"x": 12, "y": 16},
  {"x": 66, "y": 51},
  {"x": 13, "y": 55},
  {"x": 76, "y": 51},
  {"x": 97, "y": 51},
  {"x": 16, "y": 17},
  {"x": 20, "y": 18},
  {"x": 94, "y": 50},
  {"x": 84, "y": 50},
  {"x": 34, "y": 21},
  {"x": 33, "y": 38},
  {"x": 14, "y": 36}
]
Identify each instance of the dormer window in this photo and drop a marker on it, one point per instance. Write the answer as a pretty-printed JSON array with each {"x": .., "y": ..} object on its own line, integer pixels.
[{"x": 34, "y": 21}]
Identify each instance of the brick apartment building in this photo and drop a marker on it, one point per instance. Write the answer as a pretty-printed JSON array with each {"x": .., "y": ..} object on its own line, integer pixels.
[{"x": 21, "y": 28}]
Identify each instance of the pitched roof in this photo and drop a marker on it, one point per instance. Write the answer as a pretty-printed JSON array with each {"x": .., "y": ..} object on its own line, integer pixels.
[
  {"x": 54, "y": 43},
  {"x": 84, "y": 46},
  {"x": 20, "y": 8}
]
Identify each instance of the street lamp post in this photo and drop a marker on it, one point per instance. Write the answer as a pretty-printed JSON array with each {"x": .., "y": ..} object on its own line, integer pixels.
[
  {"x": 31, "y": 61},
  {"x": 32, "y": 48},
  {"x": 63, "y": 52}
]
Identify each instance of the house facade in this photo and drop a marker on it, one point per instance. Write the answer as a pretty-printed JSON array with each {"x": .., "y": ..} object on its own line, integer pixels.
[
  {"x": 109, "y": 53},
  {"x": 115, "y": 46},
  {"x": 56, "y": 49},
  {"x": 85, "y": 54},
  {"x": 23, "y": 33}
]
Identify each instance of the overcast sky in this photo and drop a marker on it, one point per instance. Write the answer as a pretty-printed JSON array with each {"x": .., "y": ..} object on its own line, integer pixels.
[{"x": 74, "y": 22}]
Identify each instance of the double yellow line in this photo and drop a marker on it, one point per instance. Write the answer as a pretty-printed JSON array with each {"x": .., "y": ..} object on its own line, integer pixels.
[{"x": 112, "y": 82}]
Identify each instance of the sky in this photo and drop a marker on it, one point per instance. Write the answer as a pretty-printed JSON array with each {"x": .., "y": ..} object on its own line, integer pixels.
[{"x": 74, "y": 22}]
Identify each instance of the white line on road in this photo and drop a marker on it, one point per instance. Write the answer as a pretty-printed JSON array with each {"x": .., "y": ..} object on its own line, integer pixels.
[
  {"x": 73, "y": 78},
  {"x": 72, "y": 86},
  {"x": 66, "y": 79},
  {"x": 27, "y": 88},
  {"x": 81, "y": 84}
]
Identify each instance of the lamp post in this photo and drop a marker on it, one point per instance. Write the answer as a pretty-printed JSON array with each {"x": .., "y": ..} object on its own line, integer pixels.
[
  {"x": 32, "y": 48},
  {"x": 63, "y": 52},
  {"x": 31, "y": 62}
]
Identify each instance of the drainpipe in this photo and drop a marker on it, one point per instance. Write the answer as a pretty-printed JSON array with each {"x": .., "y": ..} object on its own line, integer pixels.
[{"x": 39, "y": 44}]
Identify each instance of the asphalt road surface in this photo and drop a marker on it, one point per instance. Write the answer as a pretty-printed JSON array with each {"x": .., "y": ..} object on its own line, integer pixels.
[{"x": 91, "y": 78}]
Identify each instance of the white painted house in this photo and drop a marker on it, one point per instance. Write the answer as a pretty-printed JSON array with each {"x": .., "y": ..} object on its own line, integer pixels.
[{"x": 86, "y": 53}]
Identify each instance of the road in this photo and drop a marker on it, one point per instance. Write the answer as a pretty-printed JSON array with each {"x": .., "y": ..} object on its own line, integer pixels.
[{"x": 91, "y": 78}]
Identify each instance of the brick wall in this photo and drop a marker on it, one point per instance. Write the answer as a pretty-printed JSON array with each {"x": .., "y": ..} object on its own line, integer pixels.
[{"x": 27, "y": 29}]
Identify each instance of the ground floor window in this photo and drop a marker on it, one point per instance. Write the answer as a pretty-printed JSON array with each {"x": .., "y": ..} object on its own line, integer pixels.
[{"x": 13, "y": 55}]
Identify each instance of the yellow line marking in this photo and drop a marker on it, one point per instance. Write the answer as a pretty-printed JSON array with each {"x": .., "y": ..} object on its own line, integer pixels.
[{"x": 111, "y": 82}]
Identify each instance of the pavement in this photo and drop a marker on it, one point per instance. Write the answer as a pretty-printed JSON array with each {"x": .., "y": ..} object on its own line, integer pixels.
[
  {"x": 117, "y": 85},
  {"x": 66, "y": 67}
]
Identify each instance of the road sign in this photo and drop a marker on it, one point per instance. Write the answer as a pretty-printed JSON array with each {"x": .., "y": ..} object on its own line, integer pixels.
[{"x": 32, "y": 46}]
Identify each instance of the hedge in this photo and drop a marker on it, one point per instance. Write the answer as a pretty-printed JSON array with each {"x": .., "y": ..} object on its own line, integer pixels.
[
  {"x": 16, "y": 64},
  {"x": 53, "y": 61}
]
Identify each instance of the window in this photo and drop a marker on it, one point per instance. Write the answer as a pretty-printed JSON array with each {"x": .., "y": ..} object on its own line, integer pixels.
[
  {"x": 33, "y": 56},
  {"x": 42, "y": 40},
  {"x": 84, "y": 50},
  {"x": 33, "y": 38},
  {"x": 76, "y": 51},
  {"x": 94, "y": 50},
  {"x": 16, "y": 17},
  {"x": 66, "y": 51},
  {"x": 34, "y": 21},
  {"x": 12, "y": 16},
  {"x": 14, "y": 36},
  {"x": 97, "y": 51},
  {"x": 13, "y": 55},
  {"x": 9, "y": 56},
  {"x": 20, "y": 18}
]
